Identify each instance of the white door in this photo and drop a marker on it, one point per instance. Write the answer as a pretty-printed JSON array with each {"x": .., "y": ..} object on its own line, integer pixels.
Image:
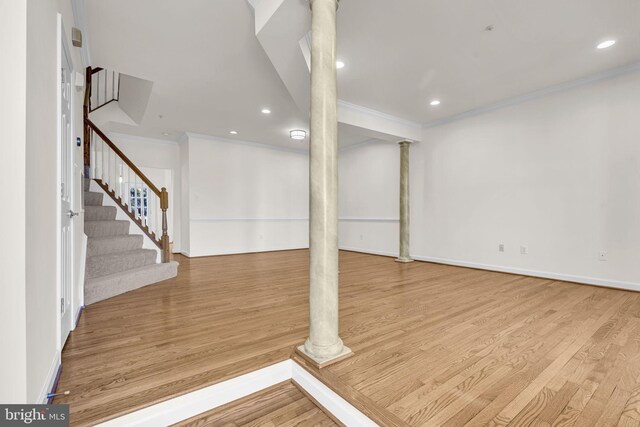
[{"x": 66, "y": 192}]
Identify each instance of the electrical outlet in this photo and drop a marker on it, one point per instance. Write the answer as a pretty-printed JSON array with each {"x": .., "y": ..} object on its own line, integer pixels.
[
  {"x": 501, "y": 247},
  {"x": 602, "y": 256},
  {"x": 524, "y": 250}
]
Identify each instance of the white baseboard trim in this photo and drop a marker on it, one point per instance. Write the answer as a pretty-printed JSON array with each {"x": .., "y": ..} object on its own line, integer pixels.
[
  {"x": 191, "y": 404},
  {"x": 367, "y": 251},
  {"x": 607, "y": 283},
  {"x": 50, "y": 379},
  {"x": 243, "y": 251},
  {"x": 629, "y": 286}
]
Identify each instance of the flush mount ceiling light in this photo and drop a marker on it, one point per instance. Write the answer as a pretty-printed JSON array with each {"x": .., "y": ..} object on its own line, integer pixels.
[
  {"x": 298, "y": 134},
  {"x": 266, "y": 111},
  {"x": 605, "y": 44},
  {"x": 339, "y": 64},
  {"x": 434, "y": 102},
  {"x": 166, "y": 133},
  {"x": 233, "y": 132}
]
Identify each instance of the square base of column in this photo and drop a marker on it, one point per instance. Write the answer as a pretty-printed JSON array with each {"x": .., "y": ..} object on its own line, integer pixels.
[
  {"x": 404, "y": 260},
  {"x": 323, "y": 363}
]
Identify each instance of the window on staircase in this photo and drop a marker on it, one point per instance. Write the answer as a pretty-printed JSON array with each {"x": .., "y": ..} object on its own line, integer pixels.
[{"x": 138, "y": 197}]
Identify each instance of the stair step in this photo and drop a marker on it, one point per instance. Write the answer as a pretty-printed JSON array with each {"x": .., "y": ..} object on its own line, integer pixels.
[
  {"x": 92, "y": 198},
  {"x": 104, "y": 287},
  {"x": 106, "y": 228},
  {"x": 100, "y": 213},
  {"x": 103, "y": 265},
  {"x": 113, "y": 244}
]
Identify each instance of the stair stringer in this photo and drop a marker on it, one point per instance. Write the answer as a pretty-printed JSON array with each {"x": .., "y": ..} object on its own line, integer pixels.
[{"x": 121, "y": 215}]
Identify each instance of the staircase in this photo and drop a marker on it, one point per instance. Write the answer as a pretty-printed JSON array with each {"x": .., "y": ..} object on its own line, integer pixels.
[
  {"x": 118, "y": 259},
  {"x": 116, "y": 262}
]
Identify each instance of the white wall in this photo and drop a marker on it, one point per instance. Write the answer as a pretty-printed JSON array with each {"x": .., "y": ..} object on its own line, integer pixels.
[
  {"x": 28, "y": 43},
  {"x": 149, "y": 154},
  {"x": 185, "y": 225},
  {"x": 369, "y": 190},
  {"x": 13, "y": 45},
  {"x": 245, "y": 197},
  {"x": 559, "y": 174}
]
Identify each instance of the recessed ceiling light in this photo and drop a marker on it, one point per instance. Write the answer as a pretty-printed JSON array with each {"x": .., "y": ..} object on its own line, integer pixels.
[
  {"x": 166, "y": 133},
  {"x": 339, "y": 64},
  {"x": 233, "y": 132},
  {"x": 435, "y": 102},
  {"x": 266, "y": 111},
  {"x": 606, "y": 44},
  {"x": 298, "y": 134}
]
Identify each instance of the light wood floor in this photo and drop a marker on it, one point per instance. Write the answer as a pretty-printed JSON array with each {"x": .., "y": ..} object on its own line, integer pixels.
[
  {"x": 434, "y": 345},
  {"x": 281, "y": 405}
]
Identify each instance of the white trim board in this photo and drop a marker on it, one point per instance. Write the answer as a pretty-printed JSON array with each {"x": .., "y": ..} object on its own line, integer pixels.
[
  {"x": 50, "y": 378},
  {"x": 303, "y": 151},
  {"x": 607, "y": 283},
  {"x": 551, "y": 90},
  {"x": 354, "y": 219},
  {"x": 191, "y": 404},
  {"x": 594, "y": 281},
  {"x": 192, "y": 254}
]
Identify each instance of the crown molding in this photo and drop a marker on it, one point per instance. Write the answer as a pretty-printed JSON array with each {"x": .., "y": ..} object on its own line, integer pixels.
[
  {"x": 142, "y": 138},
  {"x": 247, "y": 143},
  {"x": 551, "y": 90},
  {"x": 379, "y": 114}
]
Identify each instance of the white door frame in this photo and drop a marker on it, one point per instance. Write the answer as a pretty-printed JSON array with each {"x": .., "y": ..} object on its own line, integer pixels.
[{"x": 63, "y": 49}]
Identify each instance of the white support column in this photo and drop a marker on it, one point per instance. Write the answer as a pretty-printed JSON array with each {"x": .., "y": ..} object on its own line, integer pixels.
[
  {"x": 323, "y": 346},
  {"x": 404, "y": 202}
]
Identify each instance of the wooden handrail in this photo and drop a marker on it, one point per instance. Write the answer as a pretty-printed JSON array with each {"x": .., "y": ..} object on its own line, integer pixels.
[
  {"x": 163, "y": 242},
  {"x": 124, "y": 158},
  {"x": 87, "y": 132}
]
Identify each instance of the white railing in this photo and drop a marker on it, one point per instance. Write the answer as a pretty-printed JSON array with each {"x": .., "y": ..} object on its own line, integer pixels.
[
  {"x": 117, "y": 175},
  {"x": 105, "y": 87}
]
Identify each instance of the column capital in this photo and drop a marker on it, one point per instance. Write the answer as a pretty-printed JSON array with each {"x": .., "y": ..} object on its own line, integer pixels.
[
  {"x": 405, "y": 142},
  {"x": 311, "y": 4}
]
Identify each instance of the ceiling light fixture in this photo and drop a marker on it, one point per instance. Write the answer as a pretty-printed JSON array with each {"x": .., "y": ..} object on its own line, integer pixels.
[
  {"x": 435, "y": 102},
  {"x": 298, "y": 134},
  {"x": 266, "y": 111},
  {"x": 166, "y": 133},
  {"x": 233, "y": 132},
  {"x": 606, "y": 44},
  {"x": 339, "y": 65}
]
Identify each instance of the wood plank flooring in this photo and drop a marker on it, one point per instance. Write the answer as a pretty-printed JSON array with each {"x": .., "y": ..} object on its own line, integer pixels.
[
  {"x": 281, "y": 405},
  {"x": 434, "y": 345}
]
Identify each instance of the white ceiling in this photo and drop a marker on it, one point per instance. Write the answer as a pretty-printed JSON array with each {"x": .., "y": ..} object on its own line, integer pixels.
[
  {"x": 401, "y": 54},
  {"x": 211, "y": 75}
]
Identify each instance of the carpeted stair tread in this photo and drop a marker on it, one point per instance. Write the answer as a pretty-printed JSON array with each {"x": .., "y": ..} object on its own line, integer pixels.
[
  {"x": 113, "y": 244},
  {"x": 106, "y": 228},
  {"x": 100, "y": 213},
  {"x": 101, "y": 288},
  {"x": 116, "y": 262},
  {"x": 92, "y": 198},
  {"x": 103, "y": 265}
]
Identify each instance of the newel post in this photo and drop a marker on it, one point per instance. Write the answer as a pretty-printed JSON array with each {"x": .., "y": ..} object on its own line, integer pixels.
[{"x": 164, "y": 205}]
